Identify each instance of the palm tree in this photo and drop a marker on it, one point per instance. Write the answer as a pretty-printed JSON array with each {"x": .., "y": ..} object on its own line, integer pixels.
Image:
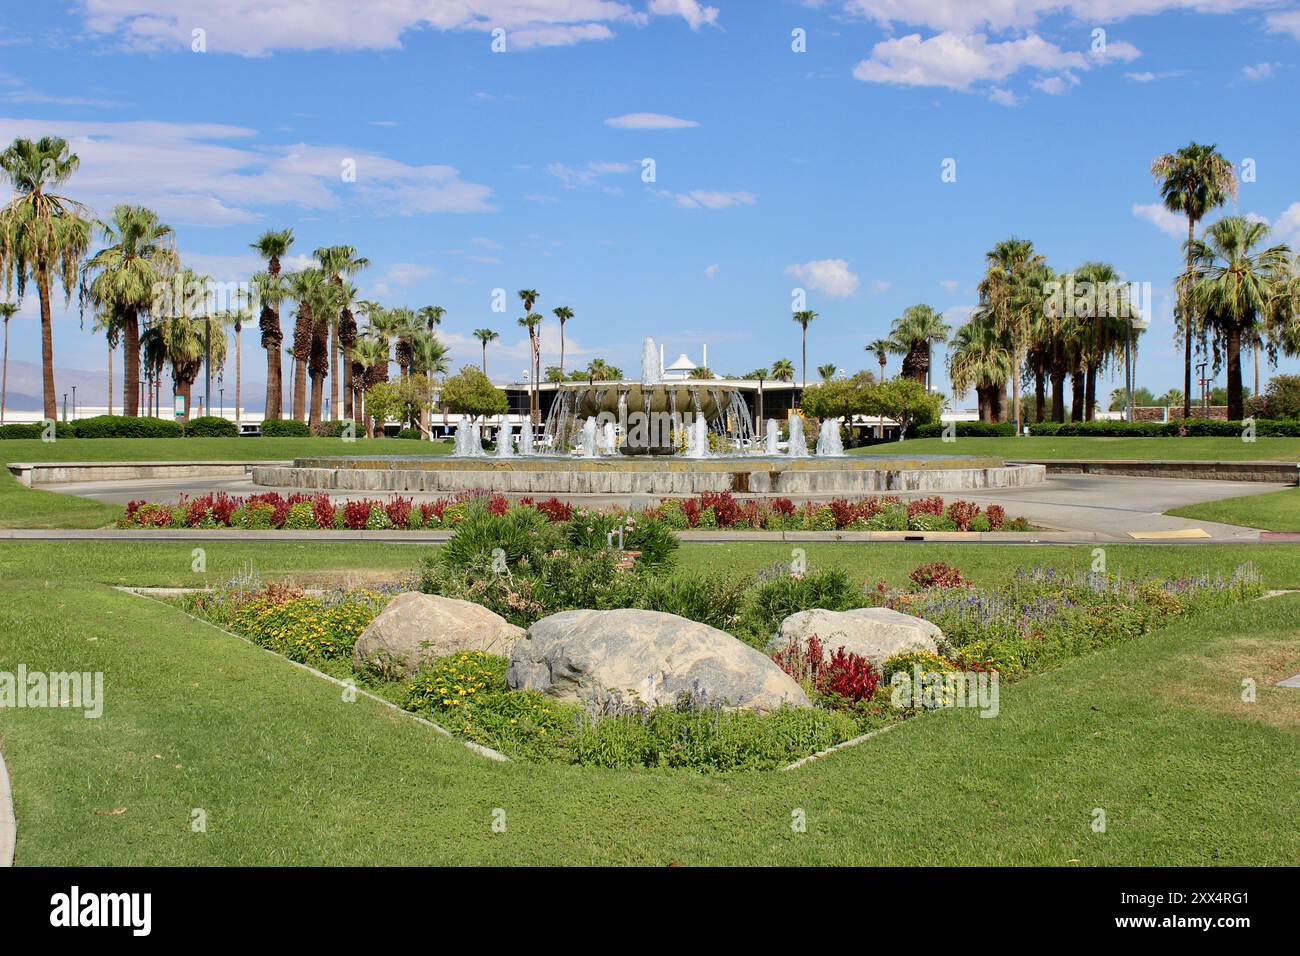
[
  {"x": 272, "y": 245},
  {"x": 337, "y": 262},
  {"x": 235, "y": 318},
  {"x": 430, "y": 316},
  {"x": 429, "y": 359},
  {"x": 304, "y": 287},
  {"x": 827, "y": 372},
  {"x": 783, "y": 370},
  {"x": 598, "y": 370},
  {"x": 531, "y": 321},
  {"x": 369, "y": 367},
  {"x": 803, "y": 318},
  {"x": 882, "y": 348},
  {"x": 123, "y": 277},
  {"x": 1105, "y": 326},
  {"x": 180, "y": 337},
  {"x": 1008, "y": 296},
  {"x": 1193, "y": 181},
  {"x": 912, "y": 335},
  {"x": 107, "y": 323},
  {"x": 42, "y": 235},
  {"x": 7, "y": 312},
  {"x": 980, "y": 357},
  {"x": 563, "y": 313},
  {"x": 1235, "y": 286},
  {"x": 485, "y": 336}
]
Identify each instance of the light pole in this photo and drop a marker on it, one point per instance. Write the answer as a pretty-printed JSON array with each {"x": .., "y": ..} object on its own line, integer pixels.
[
  {"x": 207, "y": 366},
  {"x": 74, "y": 402}
]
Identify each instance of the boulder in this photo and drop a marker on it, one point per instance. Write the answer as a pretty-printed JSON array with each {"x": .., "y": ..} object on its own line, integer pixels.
[
  {"x": 589, "y": 656},
  {"x": 876, "y": 633},
  {"x": 416, "y": 627}
]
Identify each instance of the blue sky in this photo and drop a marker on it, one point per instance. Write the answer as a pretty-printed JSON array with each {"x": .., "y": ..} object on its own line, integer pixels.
[{"x": 774, "y": 169}]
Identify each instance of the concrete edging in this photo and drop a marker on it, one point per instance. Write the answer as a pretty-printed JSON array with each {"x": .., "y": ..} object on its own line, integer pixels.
[
  {"x": 31, "y": 474},
  {"x": 8, "y": 819},
  {"x": 1280, "y": 472}
]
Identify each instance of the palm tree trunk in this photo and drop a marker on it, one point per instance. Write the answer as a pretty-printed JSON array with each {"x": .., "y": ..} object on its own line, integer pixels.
[
  {"x": 561, "y": 350},
  {"x": 805, "y": 357},
  {"x": 1187, "y": 323},
  {"x": 1090, "y": 393},
  {"x": 238, "y": 371},
  {"x": 47, "y": 348},
  {"x": 110, "y": 379},
  {"x": 130, "y": 362},
  {"x": 1255, "y": 352},
  {"x": 1040, "y": 394},
  {"x": 484, "y": 358},
  {"x": 183, "y": 389},
  {"x": 1235, "y": 404},
  {"x": 1058, "y": 395},
  {"x": 1015, "y": 387},
  {"x": 1076, "y": 395},
  {"x": 334, "y": 371},
  {"x": 4, "y": 376}
]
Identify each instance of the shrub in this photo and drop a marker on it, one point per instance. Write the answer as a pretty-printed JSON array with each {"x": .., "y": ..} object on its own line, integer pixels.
[
  {"x": 378, "y": 519},
  {"x": 285, "y": 428},
  {"x": 308, "y": 629},
  {"x": 522, "y": 534},
  {"x": 844, "y": 677},
  {"x": 996, "y": 515},
  {"x": 126, "y": 426},
  {"x": 211, "y": 426},
  {"x": 891, "y": 517},
  {"x": 961, "y": 513},
  {"x": 323, "y": 511},
  {"x": 259, "y": 516},
  {"x": 331, "y": 429},
  {"x": 300, "y": 517},
  {"x": 672, "y": 515},
  {"x": 773, "y": 600},
  {"x": 969, "y": 430},
  {"x": 980, "y": 523},
  {"x": 712, "y": 599},
  {"x": 928, "y": 521},
  {"x": 356, "y": 514},
  {"x": 555, "y": 509},
  {"x": 398, "y": 511},
  {"x": 936, "y": 574},
  {"x": 35, "y": 430},
  {"x": 409, "y": 434}
]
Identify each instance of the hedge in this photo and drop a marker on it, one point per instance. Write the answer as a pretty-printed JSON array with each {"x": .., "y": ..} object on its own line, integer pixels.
[
  {"x": 1195, "y": 427},
  {"x": 969, "y": 430},
  {"x": 125, "y": 426},
  {"x": 33, "y": 430},
  {"x": 285, "y": 428},
  {"x": 211, "y": 426},
  {"x": 330, "y": 429}
]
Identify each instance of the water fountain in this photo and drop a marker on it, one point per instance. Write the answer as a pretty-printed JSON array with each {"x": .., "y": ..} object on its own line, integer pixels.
[
  {"x": 773, "y": 438},
  {"x": 798, "y": 447},
  {"x": 608, "y": 439},
  {"x": 697, "y": 439},
  {"x": 829, "y": 444},
  {"x": 468, "y": 444},
  {"x": 526, "y": 440},
  {"x": 504, "y": 449},
  {"x": 587, "y": 449}
]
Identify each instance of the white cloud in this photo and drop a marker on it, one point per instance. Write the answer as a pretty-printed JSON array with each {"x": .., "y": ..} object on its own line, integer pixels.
[
  {"x": 1259, "y": 71},
  {"x": 957, "y": 61},
  {"x": 1255, "y": 217},
  {"x": 966, "y": 16},
  {"x": 256, "y": 27},
  {"x": 1288, "y": 21},
  {"x": 1055, "y": 85},
  {"x": 1287, "y": 227},
  {"x": 832, "y": 277},
  {"x": 490, "y": 244},
  {"x": 949, "y": 285},
  {"x": 1003, "y": 97},
  {"x": 649, "y": 121},
  {"x": 398, "y": 276},
  {"x": 691, "y": 11},
  {"x": 880, "y": 286},
  {"x": 212, "y": 175},
  {"x": 711, "y": 271},
  {"x": 711, "y": 199},
  {"x": 589, "y": 175},
  {"x": 1170, "y": 223}
]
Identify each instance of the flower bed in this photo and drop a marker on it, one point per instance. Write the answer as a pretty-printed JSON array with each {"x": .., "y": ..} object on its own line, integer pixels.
[
  {"x": 1038, "y": 620},
  {"x": 305, "y": 512}
]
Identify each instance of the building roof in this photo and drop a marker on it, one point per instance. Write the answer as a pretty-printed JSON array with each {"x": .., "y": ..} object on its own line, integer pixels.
[{"x": 683, "y": 364}]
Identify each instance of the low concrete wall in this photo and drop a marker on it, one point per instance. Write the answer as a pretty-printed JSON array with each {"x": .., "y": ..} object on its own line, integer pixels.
[
  {"x": 1270, "y": 471},
  {"x": 554, "y": 481},
  {"x": 64, "y": 472}
]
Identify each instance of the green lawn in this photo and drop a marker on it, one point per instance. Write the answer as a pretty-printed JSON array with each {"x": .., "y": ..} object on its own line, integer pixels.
[
  {"x": 288, "y": 773},
  {"x": 207, "y": 449},
  {"x": 1034, "y": 447},
  {"x": 1275, "y": 511},
  {"x": 22, "y": 507}
]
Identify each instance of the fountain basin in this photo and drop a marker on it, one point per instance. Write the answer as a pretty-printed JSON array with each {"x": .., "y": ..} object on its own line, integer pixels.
[{"x": 669, "y": 475}]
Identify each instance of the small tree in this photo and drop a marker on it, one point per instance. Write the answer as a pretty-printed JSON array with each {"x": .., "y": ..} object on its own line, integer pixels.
[
  {"x": 385, "y": 401},
  {"x": 837, "y": 398},
  {"x": 470, "y": 392},
  {"x": 905, "y": 400}
]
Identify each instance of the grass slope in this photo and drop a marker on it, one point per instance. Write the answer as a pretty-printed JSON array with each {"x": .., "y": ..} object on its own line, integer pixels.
[
  {"x": 288, "y": 773},
  {"x": 1035, "y": 447},
  {"x": 1274, "y": 511}
]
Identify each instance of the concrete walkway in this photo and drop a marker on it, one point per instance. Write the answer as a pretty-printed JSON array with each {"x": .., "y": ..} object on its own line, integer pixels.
[
  {"x": 8, "y": 822},
  {"x": 1088, "y": 507}
]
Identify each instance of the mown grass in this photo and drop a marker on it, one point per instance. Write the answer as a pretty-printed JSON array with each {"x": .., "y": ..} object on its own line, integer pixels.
[
  {"x": 1274, "y": 511},
  {"x": 287, "y": 772},
  {"x": 1145, "y": 449},
  {"x": 207, "y": 449},
  {"x": 22, "y": 507}
]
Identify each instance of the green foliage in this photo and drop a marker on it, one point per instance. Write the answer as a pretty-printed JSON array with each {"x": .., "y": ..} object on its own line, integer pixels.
[
  {"x": 123, "y": 426},
  {"x": 904, "y": 400},
  {"x": 1282, "y": 397},
  {"x": 522, "y": 534},
  {"x": 34, "y": 430},
  {"x": 334, "y": 428},
  {"x": 300, "y": 517},
  {"x": 307, "y": 629},
  {"x": 969, "y": 430},
  {"x": 285, "y": 428},
  {"x": 470, "y": 392},
  {"x": 771, "y": 601},
  {"x": 1193, "y": 427},
  {"x": 211, "y": 426}
]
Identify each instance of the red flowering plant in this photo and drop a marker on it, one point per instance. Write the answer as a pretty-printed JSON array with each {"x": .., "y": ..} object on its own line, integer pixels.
[
  {"x": 936, "y": 574},
  {"x": 399, "y": 511},
  {"x": 844, "y": 677},
  {"x": 962, "y": 512}
]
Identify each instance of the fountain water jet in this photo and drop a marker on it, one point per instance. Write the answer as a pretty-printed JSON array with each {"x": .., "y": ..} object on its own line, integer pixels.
[
  {"x": 504, "y": 449},
  {"x": 798, "y": 447},
  {"x": 588, "y": 446},
  {"x": 697, "y": 440},
  {"x": 829, "y": 444},
  {"x": 773, "y": 438}
]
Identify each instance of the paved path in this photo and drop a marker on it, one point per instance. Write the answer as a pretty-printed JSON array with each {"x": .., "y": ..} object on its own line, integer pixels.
[{"x": 1094, "y": 507}]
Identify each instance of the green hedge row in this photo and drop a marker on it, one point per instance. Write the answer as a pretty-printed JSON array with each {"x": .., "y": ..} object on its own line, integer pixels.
[
  {"x": 1197, "y": 427},
  {"x": 969, "y": 430},
  {"x": 123, "y": 426},
  {"x": 285, "y": 428}
]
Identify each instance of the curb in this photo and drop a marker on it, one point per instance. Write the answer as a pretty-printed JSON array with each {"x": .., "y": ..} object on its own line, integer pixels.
[{"x": 8, "y": 821}]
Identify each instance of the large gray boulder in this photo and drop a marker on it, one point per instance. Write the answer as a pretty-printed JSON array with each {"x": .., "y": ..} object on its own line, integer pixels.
[
  {"x": 416, "y": 627},
  {"x": 590, "y": 656},
  {"x": 876, "y": 633}
]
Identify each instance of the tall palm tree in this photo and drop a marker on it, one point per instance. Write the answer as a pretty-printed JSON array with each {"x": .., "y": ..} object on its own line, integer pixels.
[
  {"x": 43, "y": 236},
  {"x": 369, "y": 367},
  {"x": 980, "y": 358},
  {"x": 1236, "y": 285},
  {"x": 882, "y": 348},
  {"x": 272, "y": 246},
  {"x": 430, "y": 316},
  {"x": 1193, "y": 180},
  {"x": 180, "y": 336},
  {"x": 485, "y": 336},
  {"x": 235, "y": 317},
  {"x": 531, "y": 322},
  {"x": 803, "y": 319},
  {"x": 7, "y": 312},
  {"x": 827, "y": 372},
  {"x": 912, "y": 334},
  {"x": 564, "y": 314},
  {"x": 399, "y": 325},
  {"x": 107, "y": 322},
  {"x": 783, "y": 370},
  {"x": 429, "y": 359},
  {"x": 338, "y": 262},
  {"x": 1007, "y": 295},
  {"x": 1104, "y": 325},
  {"x": 304, "y": 287},
  {"x": 123, "y": 277}
]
